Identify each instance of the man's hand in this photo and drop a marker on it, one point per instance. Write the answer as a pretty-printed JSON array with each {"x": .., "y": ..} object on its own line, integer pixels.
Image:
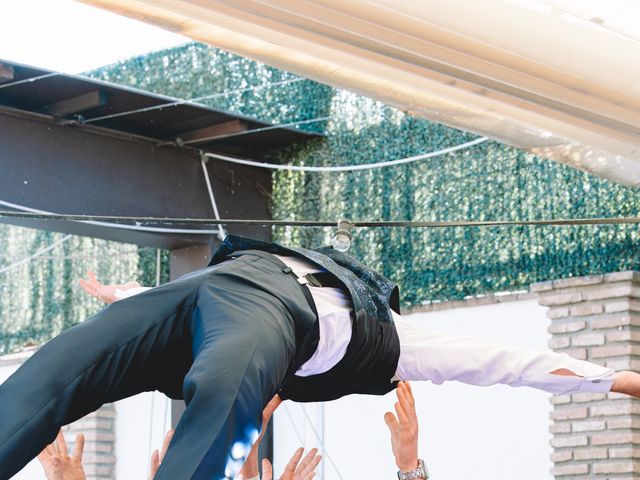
[
  {"x": 250, "y": 466},
  {"x": 158, "y": 456},
  {"x": 106, "y": 293},
  {"x": 404, "y": 429},
  {"x": 304, "y": 471},
  {"x": 58, "y": 465}
]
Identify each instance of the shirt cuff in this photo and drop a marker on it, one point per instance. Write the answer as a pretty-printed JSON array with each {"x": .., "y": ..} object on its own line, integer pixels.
[{"x": 130, "y": 292}]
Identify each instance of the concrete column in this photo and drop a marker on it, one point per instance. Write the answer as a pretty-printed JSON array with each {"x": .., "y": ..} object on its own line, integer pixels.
[{"x": 595, "y": 318}]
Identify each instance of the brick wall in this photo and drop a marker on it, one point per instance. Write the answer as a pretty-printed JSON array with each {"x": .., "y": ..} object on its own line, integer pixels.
[
  {"x": 99, "y": 459},
  {"x": 595, "y": 318}
]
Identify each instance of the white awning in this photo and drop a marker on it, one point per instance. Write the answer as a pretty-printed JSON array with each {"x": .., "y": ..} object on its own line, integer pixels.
[{"x": 560, "y": 78}]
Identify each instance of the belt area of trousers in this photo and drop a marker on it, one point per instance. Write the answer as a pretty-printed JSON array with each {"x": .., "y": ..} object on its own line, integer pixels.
[{"x": 307, "y": 336}]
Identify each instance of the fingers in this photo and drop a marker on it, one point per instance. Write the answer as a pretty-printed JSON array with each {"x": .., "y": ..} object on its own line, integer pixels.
[
  {"x": 271, "y": 407},
  {"x": 405, "y": 402},
  {"x": 158, "y": 456},
  {"x": 306, "y": 469},
  {"x": 291, "y": 466},
  {"x": 91, "y": 285},
  {"x": 267, "y": 470},
  {"x": 409, "y": 392},
  {"x": 402, "y": 416},
  {"x": 391, "y": 420},
  {"x": 166, "y": 442},
  {"x": 44, "y": 455},
  {"x": 87, "y": 287},
  {"x": 61, "y": 444},
  {"x": 51, "y": 449},
  {"x": 78, "y": 448},
  {"x": 154, "y": 464}
]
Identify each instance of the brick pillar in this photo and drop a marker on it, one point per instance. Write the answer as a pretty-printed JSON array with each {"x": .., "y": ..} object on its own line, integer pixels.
[
  {"x": 99, "y": 459},
  {"x": 595, "y": 318}
]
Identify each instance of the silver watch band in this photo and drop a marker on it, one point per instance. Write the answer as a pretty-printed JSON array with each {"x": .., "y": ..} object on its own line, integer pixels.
[{"x": 421, "y": 472}]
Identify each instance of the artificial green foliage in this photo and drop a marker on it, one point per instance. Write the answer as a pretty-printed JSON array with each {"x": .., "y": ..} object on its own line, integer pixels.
[
  {"x": 486, "y": 182},
  {"x": 40, "y": 298},
  {"x": 489, "y": 181},
  {"x": 225, "y": 81}
]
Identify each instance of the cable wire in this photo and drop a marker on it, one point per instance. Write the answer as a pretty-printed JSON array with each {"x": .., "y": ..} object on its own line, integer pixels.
[
  {"x": 347, "y": 168},
  {"x": 29, "y": 80},
  {"x": 243, "y": 132},
  {"x": 321, "y": 442},
  {"x": 214, "y": 205},
  {"x": 27, "y": 212},
  {"x": 301, "y": 439},
  {"x": 35, "y": 255},
  {"x": 192, "y": 100},
  {"x": 104, "y": 219}
]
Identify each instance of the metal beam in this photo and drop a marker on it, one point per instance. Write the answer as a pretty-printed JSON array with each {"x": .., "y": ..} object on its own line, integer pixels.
[
  {"x": 77, "y": 104},
  {"x": 63, "y": 169},
  {"x": 214, "y": 132}
]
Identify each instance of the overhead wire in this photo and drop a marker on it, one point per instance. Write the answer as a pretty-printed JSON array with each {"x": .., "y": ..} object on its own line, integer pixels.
[
  {"x": 194, "y": 100},
  {"x": 212, "y": 199},
  {"x": 104, "y": 219},
  {"x": 29, "y": 80},
  {"x": 36, "y": 254},
  {"x": 325, "y": 451},
  {"x": 244, "y": 132},
  {"x": 347, "y": 168}
]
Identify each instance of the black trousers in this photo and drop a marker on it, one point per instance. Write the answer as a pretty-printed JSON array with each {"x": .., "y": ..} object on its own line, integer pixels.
[{"x": 222, "y": 338}]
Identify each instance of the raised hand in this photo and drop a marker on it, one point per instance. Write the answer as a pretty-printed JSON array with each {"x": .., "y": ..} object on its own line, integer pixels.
[
  {"x": 295, "y": 469},
  {"x": 106, "y": 293},
  {"x": 57, "y": 463},
  {"x": 404, "y": 429}
]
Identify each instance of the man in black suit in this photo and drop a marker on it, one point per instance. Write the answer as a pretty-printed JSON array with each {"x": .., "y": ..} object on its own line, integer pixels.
[{"x": 229, "y": 337}]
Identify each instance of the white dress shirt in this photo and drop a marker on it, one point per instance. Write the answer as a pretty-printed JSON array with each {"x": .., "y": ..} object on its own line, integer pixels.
[{"x": 437, "y": 357}]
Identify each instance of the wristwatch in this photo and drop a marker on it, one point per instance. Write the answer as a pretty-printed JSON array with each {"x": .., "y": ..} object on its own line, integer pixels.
[{"x": 419, "y": 473}]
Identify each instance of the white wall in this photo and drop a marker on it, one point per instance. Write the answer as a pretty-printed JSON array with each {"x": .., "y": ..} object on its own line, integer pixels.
[
  {"x": 141, "y": 423},
  {"x": 490, "y": 433}
]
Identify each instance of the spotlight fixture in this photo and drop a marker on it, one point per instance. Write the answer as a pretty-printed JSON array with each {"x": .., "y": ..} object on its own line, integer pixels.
[{"x": 341, "y": 240}]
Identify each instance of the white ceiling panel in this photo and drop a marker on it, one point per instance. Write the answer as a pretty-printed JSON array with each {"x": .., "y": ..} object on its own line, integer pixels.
[{"x": 555, "y": 77}]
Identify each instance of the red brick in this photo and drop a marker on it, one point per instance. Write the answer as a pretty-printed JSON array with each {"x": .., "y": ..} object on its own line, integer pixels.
[
  {"x": 560, "y": 441},
  {"x": 586, "y": 309},
  {"x": 561, "y": 456},
  {"x": 568, "y": 413},
  {"x": 566, "y": 327},
  {"x": 591, "y": 426},
  {"x": 570, "y": 470},
  {"x": 616, "y": 467},
  {"x": 560, "y": 427},
  {"x": 611, "y": 351},
  {"x": 615, "y": 438},
  {"x": 589, "y": 453},
  {"x": 608, "y": 291},
  {"x": 587, "y": 339},
  {"x": 560, "y": 298}
]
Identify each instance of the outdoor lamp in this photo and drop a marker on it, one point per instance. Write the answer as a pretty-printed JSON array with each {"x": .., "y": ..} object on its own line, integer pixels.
[{"x": 341, "y": 240}]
